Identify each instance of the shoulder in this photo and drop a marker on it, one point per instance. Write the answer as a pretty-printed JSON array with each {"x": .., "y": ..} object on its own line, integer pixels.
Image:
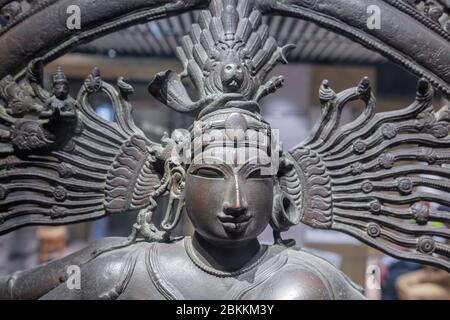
[
  {"x": 307, "y": 276},
  {"x": 46, "y": 278}
]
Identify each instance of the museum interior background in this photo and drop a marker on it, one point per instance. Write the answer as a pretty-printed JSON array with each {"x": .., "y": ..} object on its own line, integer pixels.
[{"x": 139, "y": 52}]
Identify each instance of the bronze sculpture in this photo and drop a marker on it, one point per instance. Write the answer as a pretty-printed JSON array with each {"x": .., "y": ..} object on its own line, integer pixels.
[{"x": 61, "y": 163}]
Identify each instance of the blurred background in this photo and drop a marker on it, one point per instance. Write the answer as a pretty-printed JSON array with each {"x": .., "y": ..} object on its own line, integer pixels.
[{"x": 141, "y": 51}]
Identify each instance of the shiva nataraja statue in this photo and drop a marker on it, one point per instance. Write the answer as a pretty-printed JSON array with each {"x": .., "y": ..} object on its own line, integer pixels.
[{"x": 61, "y": 163}]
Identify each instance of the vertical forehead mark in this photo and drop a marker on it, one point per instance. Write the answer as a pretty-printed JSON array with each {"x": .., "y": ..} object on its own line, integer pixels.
[{"x": 237, "y": 190}]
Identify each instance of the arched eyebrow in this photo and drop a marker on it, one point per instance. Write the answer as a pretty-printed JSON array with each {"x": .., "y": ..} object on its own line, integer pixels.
[{"x": 230, "y": 163}]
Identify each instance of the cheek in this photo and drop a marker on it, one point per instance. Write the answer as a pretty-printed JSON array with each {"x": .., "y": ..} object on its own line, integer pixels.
[
  {"x": 259, "y": 196},
  {"x": 203, "y": 197}
]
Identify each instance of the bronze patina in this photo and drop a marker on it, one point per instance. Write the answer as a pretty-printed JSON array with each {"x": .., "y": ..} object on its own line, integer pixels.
[{"x": 61, "y": 163}]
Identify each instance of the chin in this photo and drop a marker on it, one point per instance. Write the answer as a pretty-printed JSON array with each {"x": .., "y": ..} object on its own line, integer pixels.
[{"x": 235, "y": 229}]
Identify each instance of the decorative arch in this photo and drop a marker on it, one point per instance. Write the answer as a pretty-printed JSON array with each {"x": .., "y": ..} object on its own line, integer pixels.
[{"x": 408, "y": 36}]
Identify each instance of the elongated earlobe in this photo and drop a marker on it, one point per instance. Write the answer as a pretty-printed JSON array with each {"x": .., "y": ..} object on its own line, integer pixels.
[{"x": 284, "y": 213}]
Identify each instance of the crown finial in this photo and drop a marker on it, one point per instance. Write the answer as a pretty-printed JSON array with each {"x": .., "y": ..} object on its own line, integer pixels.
[{"x": 229, "y": 53}]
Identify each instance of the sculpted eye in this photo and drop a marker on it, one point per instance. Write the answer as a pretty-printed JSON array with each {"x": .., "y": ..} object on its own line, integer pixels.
[{"x": 208, "y": 173}]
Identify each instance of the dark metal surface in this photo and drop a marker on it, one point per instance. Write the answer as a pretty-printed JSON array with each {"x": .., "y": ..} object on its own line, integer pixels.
[
  {"x": 146, "y": 271},
  {"x": 367, "y": 178},
  {"x": 161, "y": 37},
  {"x": 98, "y": 19},
  {"x": 62, "y": 163}
]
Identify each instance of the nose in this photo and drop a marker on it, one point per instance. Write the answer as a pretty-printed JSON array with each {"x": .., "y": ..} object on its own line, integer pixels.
[
  {"x": 234, "y": 211},
  {"x": 230, "y": 67},
  {"x": 236, "y": 204}
]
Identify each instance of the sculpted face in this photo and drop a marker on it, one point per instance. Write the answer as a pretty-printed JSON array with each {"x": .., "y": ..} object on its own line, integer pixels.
[
  {"x": 232, "y": 76},
  {"x": 61, "y": 90},
  {"x": 228, "y": 200}
]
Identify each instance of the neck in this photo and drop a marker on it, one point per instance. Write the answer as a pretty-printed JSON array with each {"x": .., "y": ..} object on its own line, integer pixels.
[{"x": 226, "y": 257}]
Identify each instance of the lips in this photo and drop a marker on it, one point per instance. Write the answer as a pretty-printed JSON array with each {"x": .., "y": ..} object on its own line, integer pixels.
[{"x": 224, "y": 218}]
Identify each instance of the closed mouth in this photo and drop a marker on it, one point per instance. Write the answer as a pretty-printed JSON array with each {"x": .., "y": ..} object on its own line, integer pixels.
[
  {"x": 234, "y": 223},
  {"x": 224, "y": 218},
  {"x": 235, "y": 227}
]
